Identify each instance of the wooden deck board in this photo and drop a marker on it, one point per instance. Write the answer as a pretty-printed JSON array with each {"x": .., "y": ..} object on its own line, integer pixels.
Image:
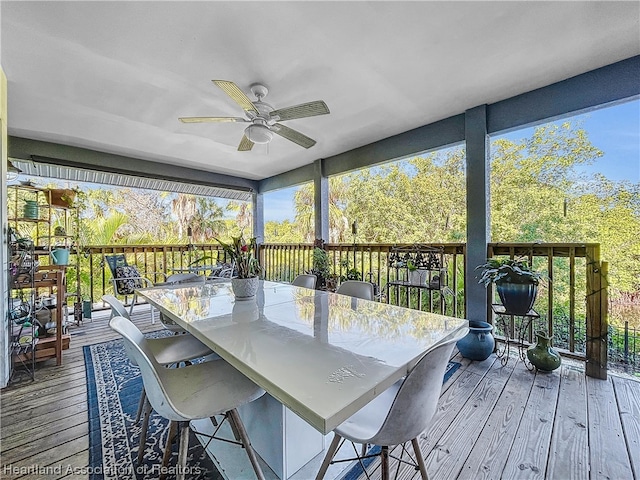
[
  {"x": 569, "y": 457},
  {"x": 492, "y": 421},
  {"x": 530, "y": 449},
  {"x": 628, "y": 396},
  {"x": 500, "y": 429},
  {"x": 609, "y": 457}
]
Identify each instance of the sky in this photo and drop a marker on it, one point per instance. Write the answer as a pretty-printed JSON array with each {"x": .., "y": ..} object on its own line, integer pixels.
[{"x": 615, "y": 130}]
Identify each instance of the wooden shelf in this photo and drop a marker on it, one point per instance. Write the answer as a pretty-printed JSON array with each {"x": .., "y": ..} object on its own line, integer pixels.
[{"x": 46, "y": 348}]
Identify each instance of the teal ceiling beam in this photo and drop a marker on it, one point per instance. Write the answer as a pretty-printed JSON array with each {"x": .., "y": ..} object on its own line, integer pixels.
[
  {"x": 604, "y": 86},
  {"x": 598, "y": 88},
  {"x": 76, "y": 157}
]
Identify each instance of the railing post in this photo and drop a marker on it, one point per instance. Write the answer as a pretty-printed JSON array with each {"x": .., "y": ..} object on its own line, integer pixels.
[{"x": 597, "y": 307}]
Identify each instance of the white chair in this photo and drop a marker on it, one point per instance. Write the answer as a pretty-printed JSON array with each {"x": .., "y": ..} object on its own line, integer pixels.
[
  {"x": 306, "y": 280},
  {"x": 190, "y": 393},
  {"x": 356, "y": 288},
  {"x": 166, "y": 351},
  {"x": 400, "y": 414}
]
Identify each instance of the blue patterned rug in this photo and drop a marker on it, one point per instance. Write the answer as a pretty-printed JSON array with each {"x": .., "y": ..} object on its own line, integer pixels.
[
  {"x": 113, "y": 391},
  {"x": 356, "y": 471}
]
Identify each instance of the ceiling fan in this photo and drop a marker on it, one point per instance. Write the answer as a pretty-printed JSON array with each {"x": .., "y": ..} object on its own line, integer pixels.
[{"x": 263, "y": 117}]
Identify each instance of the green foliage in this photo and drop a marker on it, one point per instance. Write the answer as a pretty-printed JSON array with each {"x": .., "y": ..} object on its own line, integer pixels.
[
  {"x": 243, "y": 253},
  {"x": 507, "y": 271}
]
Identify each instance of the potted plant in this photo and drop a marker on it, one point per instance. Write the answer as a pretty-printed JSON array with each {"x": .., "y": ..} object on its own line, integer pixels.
[
  {"x": 61, "y": 197},
  {"x": 417, "y": 276},
  {"x": 321, "y": 267},
  {"x": 243, "y": 254},
  {"x": 516, "y": 283}
]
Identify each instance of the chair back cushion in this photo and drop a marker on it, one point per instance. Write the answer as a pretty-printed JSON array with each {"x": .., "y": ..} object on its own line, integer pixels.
[{"x": 128, "y": 279}]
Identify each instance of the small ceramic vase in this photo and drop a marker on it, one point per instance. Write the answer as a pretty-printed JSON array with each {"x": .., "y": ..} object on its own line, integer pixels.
[{"x": 541, "y": 355}]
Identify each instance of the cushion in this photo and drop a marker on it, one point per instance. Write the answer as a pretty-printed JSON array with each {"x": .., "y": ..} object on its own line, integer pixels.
[{"x": 128, "y": 278}]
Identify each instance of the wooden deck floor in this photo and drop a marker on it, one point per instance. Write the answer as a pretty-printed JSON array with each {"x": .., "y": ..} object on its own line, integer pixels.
[{"x": 492, "y": 421}]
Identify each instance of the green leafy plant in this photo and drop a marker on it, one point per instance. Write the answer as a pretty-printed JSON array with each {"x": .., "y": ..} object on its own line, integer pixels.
[
  {"x": 508, "y": 271},
  {"x": 243, "y": 253}
]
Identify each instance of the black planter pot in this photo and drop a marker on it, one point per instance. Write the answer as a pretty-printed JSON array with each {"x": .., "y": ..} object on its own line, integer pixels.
[{"x": 517, "y": 298}]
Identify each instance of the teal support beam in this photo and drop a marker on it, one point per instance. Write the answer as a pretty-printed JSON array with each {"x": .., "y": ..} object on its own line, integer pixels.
[
  {"x": 321, "y": 201},
  {"x": 257, "y": 203},
  {"x": 478, "y": 209}
]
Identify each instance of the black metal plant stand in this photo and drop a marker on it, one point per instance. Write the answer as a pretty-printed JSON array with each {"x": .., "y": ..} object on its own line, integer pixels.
[{"x": 514, "y": 331}]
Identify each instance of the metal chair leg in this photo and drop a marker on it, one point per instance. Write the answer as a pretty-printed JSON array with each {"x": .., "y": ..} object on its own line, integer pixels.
[
  {"x": 419, "y": 459},
  {"x": 384, "y": 457},
  {"x": 329, "y": 456},
  {"x": 239, "y": 426}
]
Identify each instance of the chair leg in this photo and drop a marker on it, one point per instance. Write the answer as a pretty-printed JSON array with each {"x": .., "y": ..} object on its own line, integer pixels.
[
  {"x": 384, "y": 457},
  {"x": 141, "y": 404},
  {"x": 239, "y": 426},
  {"x": 419, "y": 459},
  {"x": 142, "y": 445},
  {"x": 167, "y": 449},
  {"x": 329, "y": 456},
  {"x": 133, "y": 302},
  {"x": 183, "y": 451}
]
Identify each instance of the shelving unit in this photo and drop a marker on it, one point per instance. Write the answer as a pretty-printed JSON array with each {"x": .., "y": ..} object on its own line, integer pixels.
[
  {"x": 430, "y": 271},
  {"x": 38, "y": 287},
  {"x": 22, "y": 331}
]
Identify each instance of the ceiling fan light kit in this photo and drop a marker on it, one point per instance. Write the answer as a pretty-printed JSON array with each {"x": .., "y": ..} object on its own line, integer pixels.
[
  {"x": 263, "y": 117},
  {"x": 258, "y": 133}
]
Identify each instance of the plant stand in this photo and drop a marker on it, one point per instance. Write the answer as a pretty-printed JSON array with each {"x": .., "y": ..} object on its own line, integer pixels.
[{"x": 515, "y": 330}]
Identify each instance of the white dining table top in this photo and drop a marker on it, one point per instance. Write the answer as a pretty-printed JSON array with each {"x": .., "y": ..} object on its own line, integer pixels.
[{"x": 323, "y": 355}]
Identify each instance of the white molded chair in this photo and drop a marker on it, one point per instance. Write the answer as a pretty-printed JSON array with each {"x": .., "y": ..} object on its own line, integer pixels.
[
  {"x": 166, "y": 351},
  {"x": 190, "y": 393},
  {"x": 400, "y": 414},
  {"x": 306, "y": 280},
  {"x": 356, "y": 288}
]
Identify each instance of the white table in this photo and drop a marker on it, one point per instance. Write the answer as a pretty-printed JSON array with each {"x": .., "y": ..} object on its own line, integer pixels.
[{"x": 322, "y": 355}]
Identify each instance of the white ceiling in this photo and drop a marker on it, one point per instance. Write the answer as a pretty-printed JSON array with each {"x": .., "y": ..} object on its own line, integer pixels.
[{"x": 115, "y": 76}]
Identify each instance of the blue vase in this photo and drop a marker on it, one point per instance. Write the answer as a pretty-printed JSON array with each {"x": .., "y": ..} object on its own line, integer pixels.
[
  {"x": 517, "y": 298},
  {"x": 479, "y": 343}
]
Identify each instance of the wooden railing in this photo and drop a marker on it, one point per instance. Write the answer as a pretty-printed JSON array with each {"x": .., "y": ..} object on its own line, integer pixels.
[
  {"x": 572, "y": 304},
  {"x": 155, "y": 262}
]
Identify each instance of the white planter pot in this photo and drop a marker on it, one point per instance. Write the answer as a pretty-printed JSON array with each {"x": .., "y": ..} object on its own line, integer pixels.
[
  {"x": 418, "y": 277},
  {"x": 244, "y": 288}
]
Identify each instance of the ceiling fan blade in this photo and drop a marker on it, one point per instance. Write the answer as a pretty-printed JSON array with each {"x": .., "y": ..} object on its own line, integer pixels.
[
  {"x": 211, "y": 119},
  {"x": 293, "y": 135},
  {"x": 236, "y": 95},
  {"x": 303, "y": 110},
  {"x": 245, "y": 144}
]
